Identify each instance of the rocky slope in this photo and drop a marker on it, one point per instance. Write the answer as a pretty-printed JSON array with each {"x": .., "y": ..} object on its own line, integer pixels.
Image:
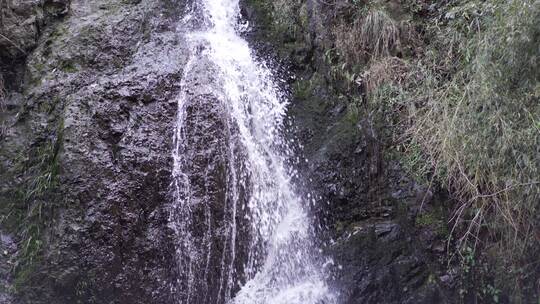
[{"x": 375, "y": 91}]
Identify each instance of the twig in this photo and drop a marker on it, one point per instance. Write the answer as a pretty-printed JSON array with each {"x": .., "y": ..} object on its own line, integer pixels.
[
  {"x": 503, "y": 190},
  {"x": 14, "y": 44}
]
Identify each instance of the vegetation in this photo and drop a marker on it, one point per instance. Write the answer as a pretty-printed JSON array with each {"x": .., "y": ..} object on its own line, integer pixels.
[
  {"x": 456, "y": 85},
  {"x": 470, "y": 101},
  {"x": 29, "y": 206}
]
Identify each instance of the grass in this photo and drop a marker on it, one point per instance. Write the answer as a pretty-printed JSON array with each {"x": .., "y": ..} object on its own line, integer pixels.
[
  {"x": 29, "y": 209},
  {"x": 368, "y": 33}
]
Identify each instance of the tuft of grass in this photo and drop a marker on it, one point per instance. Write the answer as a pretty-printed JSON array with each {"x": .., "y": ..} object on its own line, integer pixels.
[
  {"x": 37, "y": 196},
  {"x": 372, "y": 34},
  {"x": 379, "y": 34}
]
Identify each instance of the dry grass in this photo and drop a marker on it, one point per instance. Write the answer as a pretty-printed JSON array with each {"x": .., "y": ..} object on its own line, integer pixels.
[
  {"x": 384, "y": 71},
  {"x": 379, "y": 34},
  {"x": 373, "y": 35}
]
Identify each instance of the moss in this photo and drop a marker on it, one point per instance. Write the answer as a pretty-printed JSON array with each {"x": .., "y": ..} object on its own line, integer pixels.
[
  {"x": 434, "y": 219},
  {"x": 426, "y": 219},
  {"x": 60, "y": 31},
  {"x": 68, "y": 67}
]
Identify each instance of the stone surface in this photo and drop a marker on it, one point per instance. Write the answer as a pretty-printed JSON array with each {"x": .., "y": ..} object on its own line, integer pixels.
[
  {"x": 100, "y": 86},
  {"x": 8, "y": 249}
]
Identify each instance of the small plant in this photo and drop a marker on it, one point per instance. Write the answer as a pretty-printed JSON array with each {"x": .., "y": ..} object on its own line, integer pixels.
[{"x": 31, "y": 208}]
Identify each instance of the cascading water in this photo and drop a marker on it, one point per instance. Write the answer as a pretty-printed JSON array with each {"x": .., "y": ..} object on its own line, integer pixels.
[{"x": 244, "y": 236}]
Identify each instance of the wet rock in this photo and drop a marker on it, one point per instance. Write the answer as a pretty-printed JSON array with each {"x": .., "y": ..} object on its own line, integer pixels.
[
  {"x": 8, "y": 249},
  {"x": 22, "y": 22},
  {"x": 100, "y": 86},
  {"x": 206, "y": 261}
]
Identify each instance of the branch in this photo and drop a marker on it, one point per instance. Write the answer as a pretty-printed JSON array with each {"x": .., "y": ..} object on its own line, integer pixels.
[{"x": 14, "y": 44}]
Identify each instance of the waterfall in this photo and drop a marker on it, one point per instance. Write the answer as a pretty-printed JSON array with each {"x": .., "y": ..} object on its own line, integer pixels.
[{"x": 243, "y": 233}]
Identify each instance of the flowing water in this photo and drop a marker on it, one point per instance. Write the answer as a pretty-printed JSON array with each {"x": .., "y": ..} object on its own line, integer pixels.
[{"x": 244, "y": 236}]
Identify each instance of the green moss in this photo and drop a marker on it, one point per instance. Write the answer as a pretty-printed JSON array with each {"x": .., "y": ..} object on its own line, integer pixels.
[
  {"x": 434, "y": 220},
  {"x": 68, "y": 67},
  {"x": 60, "y": 31},
  {"x": 426, "y": 219}
]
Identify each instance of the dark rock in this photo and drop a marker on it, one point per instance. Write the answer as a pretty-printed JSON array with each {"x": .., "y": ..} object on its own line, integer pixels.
[
  {"x": 207, "y": 229},
  {"x": 8, "y": 249},
  {"x": 100, "y": 86}
]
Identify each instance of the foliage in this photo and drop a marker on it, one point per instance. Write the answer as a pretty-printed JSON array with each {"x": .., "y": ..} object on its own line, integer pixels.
[
  {"x": 286, "y": 17},
  {"x": 474, "y": 111},
  {"x": 373, "y": 35}
]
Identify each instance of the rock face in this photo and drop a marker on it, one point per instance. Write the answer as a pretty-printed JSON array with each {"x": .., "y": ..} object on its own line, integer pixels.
[
  {"x": 8, "y": 249},
  {"x": 209, "y": 152},
  {"x": 386, "y": 252},
  {"x": 88, "y": 143},
  {"x": 21, "y": 24}
]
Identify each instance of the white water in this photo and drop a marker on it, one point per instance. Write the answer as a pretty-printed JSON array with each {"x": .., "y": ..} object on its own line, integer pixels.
[{"x": 282, "y": 266}]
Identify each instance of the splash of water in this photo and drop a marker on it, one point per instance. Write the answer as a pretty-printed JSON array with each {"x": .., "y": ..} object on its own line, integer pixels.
[{"x": 267, "y": 251}]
